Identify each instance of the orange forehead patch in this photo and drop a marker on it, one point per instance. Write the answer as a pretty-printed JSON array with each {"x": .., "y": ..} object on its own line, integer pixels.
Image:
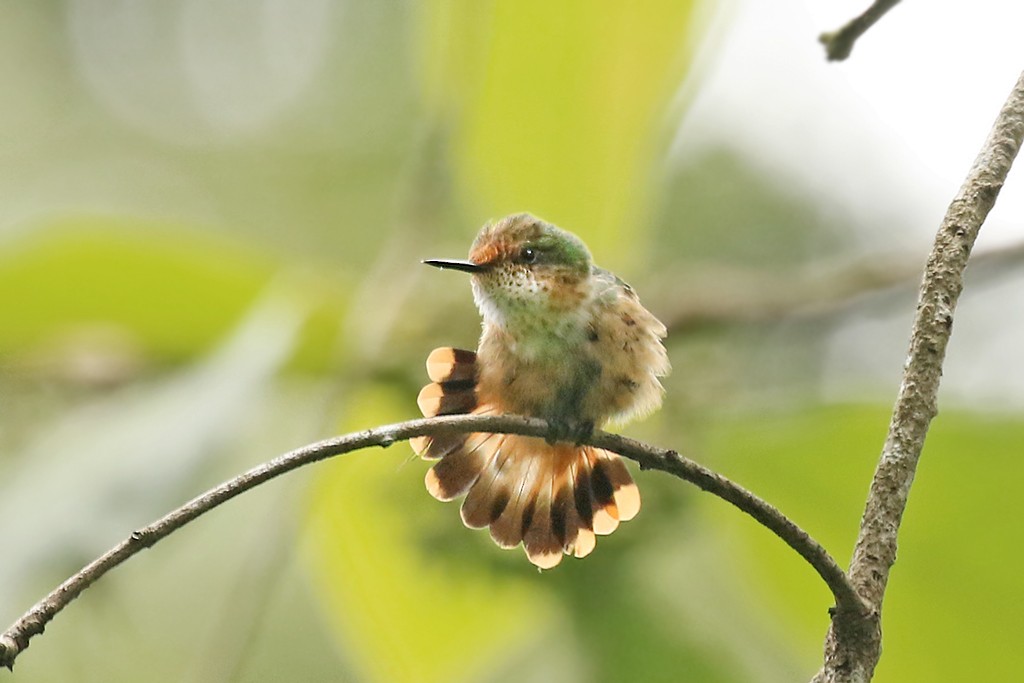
[
  {"x": 504, "y": 238},
  {"x": 492, "y": 248},
  {"x": 488, "y": 252}
]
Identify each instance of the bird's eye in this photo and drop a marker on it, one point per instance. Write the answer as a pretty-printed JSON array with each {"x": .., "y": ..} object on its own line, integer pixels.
[{"x": 528, "y": 255}]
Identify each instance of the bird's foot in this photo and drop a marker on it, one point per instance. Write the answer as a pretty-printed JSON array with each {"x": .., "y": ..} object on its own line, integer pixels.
[{"x": 571, "y": 431}]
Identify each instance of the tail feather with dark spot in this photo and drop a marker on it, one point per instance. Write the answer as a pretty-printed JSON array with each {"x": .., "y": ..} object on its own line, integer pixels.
[{"x": 552, "y": 498}]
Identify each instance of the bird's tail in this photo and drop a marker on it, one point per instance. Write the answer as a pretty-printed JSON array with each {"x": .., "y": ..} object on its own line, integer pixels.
[{"x": 553, "y": 498}]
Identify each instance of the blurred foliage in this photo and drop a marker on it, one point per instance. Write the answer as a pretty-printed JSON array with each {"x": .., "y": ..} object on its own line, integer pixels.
[
  {"x": 208, "y": 256},
  {"x": 143, "y": 279},
  {"x": 953, "y": 591},
  {"x": 764, "y": 225},
  {"x": 558, "y": 107},
  {"x": 404, "y": 615}
]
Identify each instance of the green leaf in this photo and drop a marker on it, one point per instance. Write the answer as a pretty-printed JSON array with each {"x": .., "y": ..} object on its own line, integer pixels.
[
  {"x": 137, "y": 287},
  {"x": 174, "y": 290}
]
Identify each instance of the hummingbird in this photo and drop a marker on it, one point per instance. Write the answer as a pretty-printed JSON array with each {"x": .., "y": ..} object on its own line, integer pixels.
[{"x": 562, "y": 340}]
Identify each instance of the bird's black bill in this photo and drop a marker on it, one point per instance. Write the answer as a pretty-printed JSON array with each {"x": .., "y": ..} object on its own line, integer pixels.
[{"x": 455, "y": 264}]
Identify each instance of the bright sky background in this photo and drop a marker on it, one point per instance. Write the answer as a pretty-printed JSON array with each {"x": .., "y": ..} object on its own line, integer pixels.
[
  {"x": 890, "y": 132},
  {"x": 888, "y": 135}
]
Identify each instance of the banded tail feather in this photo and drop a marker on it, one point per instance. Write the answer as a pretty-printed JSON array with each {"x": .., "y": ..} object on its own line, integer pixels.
[{"x": 554, "y": 499}]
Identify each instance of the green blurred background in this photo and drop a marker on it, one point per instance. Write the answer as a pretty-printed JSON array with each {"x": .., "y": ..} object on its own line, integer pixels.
[{"x": 210, "y": 238}]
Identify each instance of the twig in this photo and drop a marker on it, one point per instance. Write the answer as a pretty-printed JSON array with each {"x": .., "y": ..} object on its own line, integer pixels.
[
  {"x": 839, "y": 43},
  {"x": 709, "y": 296},
  {"x": 853, "y": 645},
  {"x": 16, "y": 638},
  {"x": 740, "y": 296}
]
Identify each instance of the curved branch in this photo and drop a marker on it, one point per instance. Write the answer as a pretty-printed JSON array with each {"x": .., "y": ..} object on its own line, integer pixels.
[
  {"x": 16, "y": 638},
  {"x": 854, "y": 643},
  {"x": 839, "y": 43}
]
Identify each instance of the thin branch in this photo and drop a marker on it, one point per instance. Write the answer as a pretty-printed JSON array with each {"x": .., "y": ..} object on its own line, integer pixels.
[
  {"x": 770, "y": 517},
  {"x": 839, "y": 43},
  {"x": 854, "y": 643},
  {"x": 740, "y": 296},
  {"x": 709, "y": 296},
  {"x": 16, "y": 638}
]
